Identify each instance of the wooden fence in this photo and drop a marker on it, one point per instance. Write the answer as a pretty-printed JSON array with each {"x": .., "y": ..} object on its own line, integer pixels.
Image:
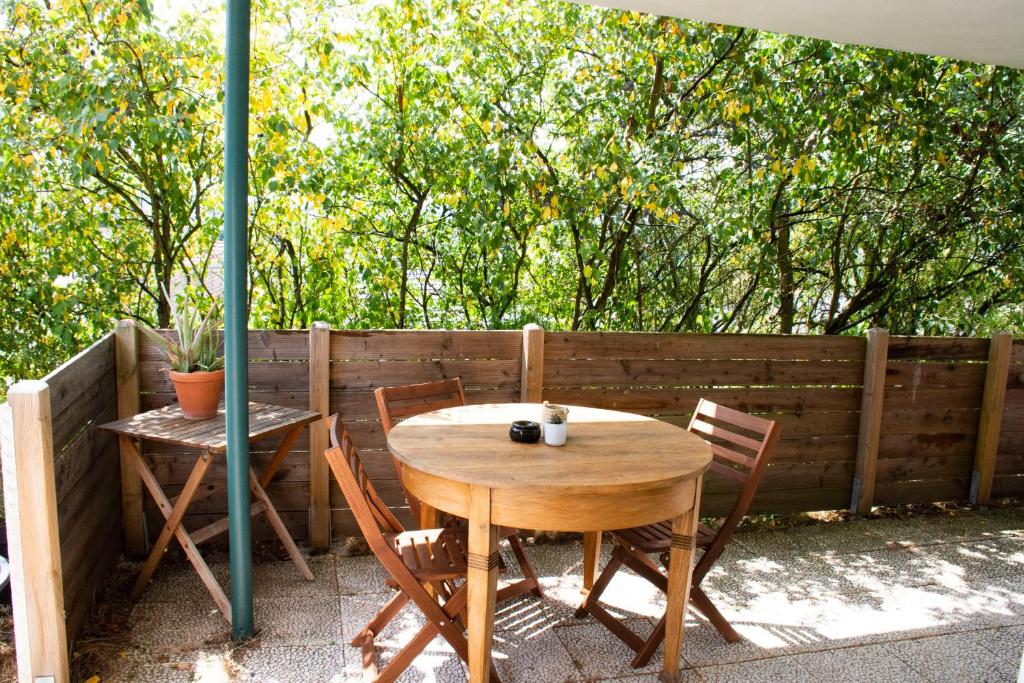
[
  {"x": 62, "y": 498},
  {"x": 865, "y": 420}
]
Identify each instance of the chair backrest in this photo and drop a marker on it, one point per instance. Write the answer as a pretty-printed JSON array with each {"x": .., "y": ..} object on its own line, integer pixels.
[
  {"x": 741, "y": 446},
  {"x": 395, "y": 403},
  {"x": 371, "y": 513}
]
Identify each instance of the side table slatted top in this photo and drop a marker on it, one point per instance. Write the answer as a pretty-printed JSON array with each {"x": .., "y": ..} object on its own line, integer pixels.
[{"x": 168, "y": 425}]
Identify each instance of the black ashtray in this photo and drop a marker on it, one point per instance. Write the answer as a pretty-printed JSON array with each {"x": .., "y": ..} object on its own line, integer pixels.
[{"x": 524, "y": 431}]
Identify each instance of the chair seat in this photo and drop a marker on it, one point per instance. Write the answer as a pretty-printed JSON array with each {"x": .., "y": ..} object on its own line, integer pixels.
[
  {"x": 433, "y": 554},
  {"x": 657, "y": 538}
]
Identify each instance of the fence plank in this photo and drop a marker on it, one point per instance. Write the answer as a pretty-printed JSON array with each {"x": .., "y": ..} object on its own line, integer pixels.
[
  {"x": 30, "y": 501},
  {"x": 425, "y": 344},
  {"x": 532, "y": 380},
  {"x": 366, "y": 375},
  {"x": 760, "y": 400},
  {"x": 657, "y": 345},
  {"x": 710, "y": 373},
  {"x": 991, "y": 417},
  {"x": 129, "y": 403},
  {"x": 937, "y": 348},
  {"x": 264, "y": 345},
  {"x": 319, "y": 400},
  {"x": 79, "y": 374},
  {"x": 870, "y": 430}
]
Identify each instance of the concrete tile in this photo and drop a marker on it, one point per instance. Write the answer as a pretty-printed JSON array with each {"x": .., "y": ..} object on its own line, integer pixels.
[
  {"x": 176, "y": 581},
  {"x": 134, "y": 665},
  {"x": 837, "y": 538},
  {"x": 282, "y": 579},
  {"x": 299, "y": 621},
  {"x": 902, "y": 566},
  {"x": 982, "y": 559},
  {"x": 953, "y": 658},
  {"x": 939, "y": 529},
  {"x": 438, "y": 661},
  {"x": 272, "y": 664},
  {"x": 177, "y": 626},
  {"x": 870, "y": 664},
  {"x": 599, "y": 654},
  {"x": 704, "y": 646},
  {"x": 1004, "y": 642},
  {"x": 533, "y": 654},
  {"x": 783, "y": 669},
  {"x": 359, "y": 575}
]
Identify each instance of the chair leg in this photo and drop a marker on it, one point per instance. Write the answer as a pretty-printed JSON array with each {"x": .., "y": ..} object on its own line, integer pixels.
[
  {"x": 602, "y": 582},
  {"x": 704, "y": 605},
  {"x": 651, "y": 645},
  {"x": 524, "y": 564},
  {"x": 383, "y": 618}
]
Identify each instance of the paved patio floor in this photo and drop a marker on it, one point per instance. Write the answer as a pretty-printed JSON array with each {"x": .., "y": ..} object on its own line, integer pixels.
[{"x": 918, "y": 599}]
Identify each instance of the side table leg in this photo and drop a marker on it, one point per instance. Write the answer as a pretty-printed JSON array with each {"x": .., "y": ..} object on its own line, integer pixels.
[
  {"x": 177, "y": 513},
  {"x": 279, "y": 528}
]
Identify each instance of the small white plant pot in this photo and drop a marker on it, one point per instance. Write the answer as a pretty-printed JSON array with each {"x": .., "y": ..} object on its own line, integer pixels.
[{"x": 554, "y": 434}]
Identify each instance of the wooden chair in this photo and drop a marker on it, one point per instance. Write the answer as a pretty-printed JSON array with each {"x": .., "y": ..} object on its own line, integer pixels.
[
  {"x": 422, "y": 564},
  {"x": 741, "y": 445},
  {"x": 397, "y": 403}
]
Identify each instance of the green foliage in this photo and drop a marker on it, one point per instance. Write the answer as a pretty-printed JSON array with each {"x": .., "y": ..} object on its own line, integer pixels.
[{"x": 423, "y": 163}]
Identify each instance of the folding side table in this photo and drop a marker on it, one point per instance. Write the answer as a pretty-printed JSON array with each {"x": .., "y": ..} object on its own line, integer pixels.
[{"x": 168, "y": 425}]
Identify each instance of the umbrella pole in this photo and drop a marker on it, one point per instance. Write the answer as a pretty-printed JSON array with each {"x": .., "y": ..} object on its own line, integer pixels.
[{"x": 236, "y": 310}]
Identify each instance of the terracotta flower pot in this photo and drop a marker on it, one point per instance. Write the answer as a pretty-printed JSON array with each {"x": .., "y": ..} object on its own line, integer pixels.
[{"x": 198, "y": 392}]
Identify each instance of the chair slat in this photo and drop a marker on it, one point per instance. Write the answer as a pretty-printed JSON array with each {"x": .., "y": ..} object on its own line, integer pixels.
[
  {"x": 732, "y": 456},
  {"x": 725, "y": 434},
  {"x": 753, "y": 423},
  {"x": 728, "y": 472}
]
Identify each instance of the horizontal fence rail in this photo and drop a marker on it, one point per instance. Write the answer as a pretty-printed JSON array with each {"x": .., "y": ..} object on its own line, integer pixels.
[{"x": 862, "y": 423}]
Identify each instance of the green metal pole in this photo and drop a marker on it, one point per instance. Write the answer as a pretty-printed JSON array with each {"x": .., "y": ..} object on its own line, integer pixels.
[{"x": 236, "y": 311}]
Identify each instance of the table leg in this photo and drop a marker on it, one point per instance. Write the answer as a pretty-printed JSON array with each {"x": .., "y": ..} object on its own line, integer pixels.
[
  {"x": 279, "y": 455},
  {"x": 591, "y": 558},
  {"x": 680, "y": 576},
  {"x": 482, "y": 582},
  {"x": 191, "y": 551},
  {"x": 195, "y": 478},
  {"x": 430, "y": 518},
  {"x": 279, "y": 528}
]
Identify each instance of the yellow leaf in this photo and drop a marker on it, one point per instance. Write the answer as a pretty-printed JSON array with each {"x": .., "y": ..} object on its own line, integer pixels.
[
  {"x": 545, "y": 214},
  {"x": 486, "y": 125},
  {"x": 777, "y": 166},
  {"x": 614, "y": 167},
  {"x": 506, "y": 209},
  {"x": 587, "y": 272},
  {"x": 942, "y": 159}
]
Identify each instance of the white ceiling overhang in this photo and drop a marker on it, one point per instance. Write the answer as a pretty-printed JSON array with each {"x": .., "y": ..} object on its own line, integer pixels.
[{"x": 986, "y": 31}]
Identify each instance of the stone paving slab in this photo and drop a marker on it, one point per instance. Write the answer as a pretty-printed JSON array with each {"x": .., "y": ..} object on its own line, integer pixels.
[{"x": 920, "y": 599}]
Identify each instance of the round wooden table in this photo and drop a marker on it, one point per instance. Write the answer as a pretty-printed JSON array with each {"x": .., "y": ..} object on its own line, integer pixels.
[{"x": 615, "y": 471}]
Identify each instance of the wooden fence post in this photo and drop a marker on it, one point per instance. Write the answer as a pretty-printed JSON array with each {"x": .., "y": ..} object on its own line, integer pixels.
[
  {"x": 876, "y": 358},
  {"x": 30, "y": 500},
  {"x": 319, "y": 400},
  {"x": 129, "y": 403},
  {"x": 991, "y": 419},
  {"x": 532, "y": 382}
]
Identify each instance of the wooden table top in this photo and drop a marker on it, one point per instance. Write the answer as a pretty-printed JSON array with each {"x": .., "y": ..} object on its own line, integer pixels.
[
  {"x": 168, "y": 425},
  {"x": 606, "y": 449}
]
